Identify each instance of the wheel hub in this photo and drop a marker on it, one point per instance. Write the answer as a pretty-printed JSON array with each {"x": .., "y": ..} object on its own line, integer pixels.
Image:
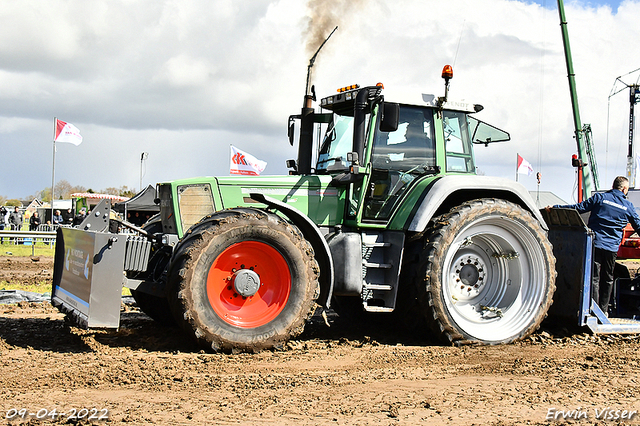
[
  {"x": 469, "y": 275},
  {"x": 246, "y": 282}
]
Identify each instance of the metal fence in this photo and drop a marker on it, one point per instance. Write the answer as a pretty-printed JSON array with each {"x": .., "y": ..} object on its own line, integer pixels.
[{"x": 45, "y": 234}]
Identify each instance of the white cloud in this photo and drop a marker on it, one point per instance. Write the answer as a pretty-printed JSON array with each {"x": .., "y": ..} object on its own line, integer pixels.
[
  {"x": 183, "y": 70},
  {"x": 182, "y": 80}
]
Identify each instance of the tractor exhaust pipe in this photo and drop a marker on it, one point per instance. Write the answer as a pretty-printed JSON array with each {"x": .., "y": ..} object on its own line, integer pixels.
[
  {"x": 359, "y": 121},
  {"x": 305, "y": 149}
]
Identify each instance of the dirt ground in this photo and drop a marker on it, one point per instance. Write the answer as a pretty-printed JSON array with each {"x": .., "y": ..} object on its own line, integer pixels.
[
  {"x": 26, "y": 270},
  {"x": 338, "y": 375}
]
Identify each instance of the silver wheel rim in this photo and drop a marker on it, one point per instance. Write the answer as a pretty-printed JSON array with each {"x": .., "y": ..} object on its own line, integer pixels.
[{"x": 494, "y": 279}]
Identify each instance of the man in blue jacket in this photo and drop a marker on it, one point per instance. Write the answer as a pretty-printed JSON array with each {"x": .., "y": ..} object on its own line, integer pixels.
[{"x": 610, "y": 213}]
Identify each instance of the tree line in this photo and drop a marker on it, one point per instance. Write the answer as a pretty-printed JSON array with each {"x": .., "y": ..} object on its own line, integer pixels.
[{"x": 63, "y": 191}]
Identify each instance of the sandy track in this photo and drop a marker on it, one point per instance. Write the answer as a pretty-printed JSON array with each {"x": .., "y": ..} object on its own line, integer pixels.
[{"x": 148, "y": 374}]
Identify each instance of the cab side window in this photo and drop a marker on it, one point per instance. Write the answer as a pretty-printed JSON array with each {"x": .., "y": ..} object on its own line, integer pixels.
[
  {"x": 409, "y": 146},
  {"x": 459, "y": 153}
]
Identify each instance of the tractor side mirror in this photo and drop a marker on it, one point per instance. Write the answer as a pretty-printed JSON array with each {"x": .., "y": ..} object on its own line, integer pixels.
[
  {"x": 291, "y": 164},
  {"x": 291, "y": 129},
  {"x": 390, "y": 116},
  {"x": 352, "y": 157}
]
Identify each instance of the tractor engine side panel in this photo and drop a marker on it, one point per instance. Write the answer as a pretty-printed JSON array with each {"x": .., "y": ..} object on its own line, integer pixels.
[{"x": 311, "y": 195}]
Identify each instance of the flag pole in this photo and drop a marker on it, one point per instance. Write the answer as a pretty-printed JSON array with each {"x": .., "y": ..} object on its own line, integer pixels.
[
  {"x": 53, "y": 173},
  {"x": 517, "y": 155}
]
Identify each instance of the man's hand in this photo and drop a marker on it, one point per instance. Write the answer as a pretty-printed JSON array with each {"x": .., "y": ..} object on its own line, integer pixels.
[{"x": 548, "y": 208}]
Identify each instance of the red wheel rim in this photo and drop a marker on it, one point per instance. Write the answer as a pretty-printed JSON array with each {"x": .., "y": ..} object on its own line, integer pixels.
[{"x": 267, "y": 302}]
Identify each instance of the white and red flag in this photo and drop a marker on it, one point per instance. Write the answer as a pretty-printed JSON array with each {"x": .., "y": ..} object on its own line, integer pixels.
[
  {"x": 524, "y": 167},
  {"x": 67, "y": 132},
  {"x": 245, "y": 164}
]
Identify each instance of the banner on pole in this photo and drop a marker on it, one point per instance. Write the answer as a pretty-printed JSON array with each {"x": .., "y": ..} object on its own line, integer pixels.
[
  {"x": 67, "y": 133},
  {"x": 243, "y": 163},
  {"x": 524, "y": 167}
]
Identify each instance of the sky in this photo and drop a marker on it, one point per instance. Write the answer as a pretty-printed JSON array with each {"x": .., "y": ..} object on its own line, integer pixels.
[{"x": 183, "y": 80}]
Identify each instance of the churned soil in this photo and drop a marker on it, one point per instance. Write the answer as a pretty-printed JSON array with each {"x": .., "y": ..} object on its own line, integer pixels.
[
  {"x": 26, "y": 270},
  {"x": 336, "y": 374}
]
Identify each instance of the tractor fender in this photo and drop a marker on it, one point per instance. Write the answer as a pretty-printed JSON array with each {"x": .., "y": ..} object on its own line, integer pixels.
[
  {"x": 312, "y": 233},
  {"x": 453, "y": 190}
]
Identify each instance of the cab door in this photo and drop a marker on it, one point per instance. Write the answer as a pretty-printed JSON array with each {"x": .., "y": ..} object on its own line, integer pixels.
[{"x": 397, "y": 160}]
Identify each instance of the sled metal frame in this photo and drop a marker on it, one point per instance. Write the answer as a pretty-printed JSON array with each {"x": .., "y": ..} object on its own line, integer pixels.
[
  {"x": 593, "y": 317},
  {"x": 573, "y": 241},
  {"x": 88, "y": 278},
  {"x": 89, "y": 269}
]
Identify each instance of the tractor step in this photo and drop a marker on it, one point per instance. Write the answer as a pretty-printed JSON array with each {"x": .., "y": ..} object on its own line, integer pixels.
[
  {"x": 377, "y": 309},
  {"x": 370, "y": 244},
  {"x": 377, "y": 265},
  {"x": 386, "y": 287},
  {"x": 381, "y": 260}
]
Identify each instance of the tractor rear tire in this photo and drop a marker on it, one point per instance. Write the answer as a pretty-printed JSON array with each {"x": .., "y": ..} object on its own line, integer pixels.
[
  {"x": 484, "y": 273},
  {"x": 243, "y": 280}
]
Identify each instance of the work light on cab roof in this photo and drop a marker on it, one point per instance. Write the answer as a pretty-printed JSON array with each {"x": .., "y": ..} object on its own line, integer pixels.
[
  {"x": 348, "y": 88},
  {"x": 447, "y": 72}
]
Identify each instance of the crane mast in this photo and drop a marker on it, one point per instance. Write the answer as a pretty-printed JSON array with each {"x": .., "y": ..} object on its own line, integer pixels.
[
  {"x": 588, "y": 185},
  {"x": 634, "y": 97}
]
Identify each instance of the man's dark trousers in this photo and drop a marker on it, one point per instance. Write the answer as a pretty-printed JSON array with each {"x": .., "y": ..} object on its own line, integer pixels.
[{"x": 602, "y": 284}]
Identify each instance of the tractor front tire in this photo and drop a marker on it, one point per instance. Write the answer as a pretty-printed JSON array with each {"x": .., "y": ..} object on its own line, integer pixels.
[
  {"x": 485, "y": 273},
  {"x": 243, "y": 280}
]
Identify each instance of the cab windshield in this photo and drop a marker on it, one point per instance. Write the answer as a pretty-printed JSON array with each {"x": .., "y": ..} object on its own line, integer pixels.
[{"x": 337, "y": 142}]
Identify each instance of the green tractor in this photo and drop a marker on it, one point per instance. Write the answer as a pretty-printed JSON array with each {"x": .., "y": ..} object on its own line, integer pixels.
[{"x": 387, "y": 212}]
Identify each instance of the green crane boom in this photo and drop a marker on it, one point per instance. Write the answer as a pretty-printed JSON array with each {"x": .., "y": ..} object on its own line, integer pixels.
[
  {"x": 587, "y": 175},
  {"x": 588, "y": 140}
]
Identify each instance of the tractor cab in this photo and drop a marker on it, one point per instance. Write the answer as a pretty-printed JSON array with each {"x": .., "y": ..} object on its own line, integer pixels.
[{"x": 389, "y": 147}]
